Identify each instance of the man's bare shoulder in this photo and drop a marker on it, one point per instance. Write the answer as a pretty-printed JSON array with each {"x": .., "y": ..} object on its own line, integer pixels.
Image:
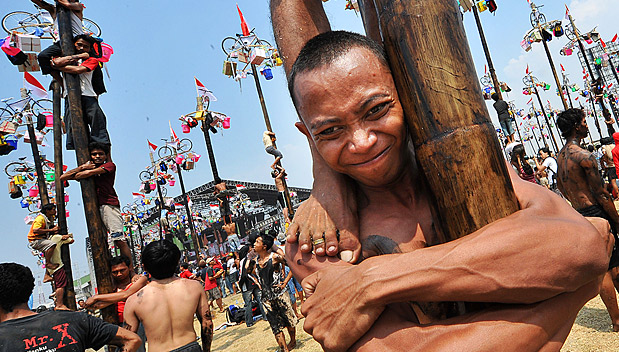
[{"x": 192, "y": 285}]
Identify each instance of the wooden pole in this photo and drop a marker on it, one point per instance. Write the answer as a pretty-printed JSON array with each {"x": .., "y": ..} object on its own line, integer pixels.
[
  {"x": 192, "y": 229},
  {"x": 495, "y": 80},
  {"x": 539, "y": 125},
  {"x": 96, "y": 230},
  {"x": 43, "y": 195},
  {"x": 554, "y": 73},
  {"x": 209, "y": 145},
  {"x": 267, "y": 122},
  {"x": 69, "y": 294},
  {"x": 448, "y": 121},
  {"x": 554, "y": 142}
]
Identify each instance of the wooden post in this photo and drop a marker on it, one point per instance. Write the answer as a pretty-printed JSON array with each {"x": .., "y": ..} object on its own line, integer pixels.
[
  {"x": 209, "y": 145},
  {"x": 554, "y": 142},
  {"x": 69, "y": 294},
  {"x": 554, "y": 73},
  {"x": 192, "y": 229},
  {"x": 267, "y": 122},
  {"x": 96, "y": 230},
  {"x": 43, "y": 195},
  {"x": 539, "y": 125},
  {"x": 455, "y": 142},
  {"x": 495, "y": 80}
]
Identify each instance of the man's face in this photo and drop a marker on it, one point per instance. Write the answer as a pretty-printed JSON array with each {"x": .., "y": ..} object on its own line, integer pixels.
[
  {"x": 582, "y": 130},
  {"x": 80, "y": 303},
  {"x": 351, "y": 111},
  {"x": 98, "y": 156},
  {"x": 120, "y": 272},
  {"x": 51, "y": 213},
  {"x": 543, "y": 154},
  {"x": 82, "y": 46}
]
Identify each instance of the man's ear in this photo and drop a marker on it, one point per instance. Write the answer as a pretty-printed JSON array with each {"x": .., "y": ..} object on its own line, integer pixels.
[{"x": 303, "y": 129}]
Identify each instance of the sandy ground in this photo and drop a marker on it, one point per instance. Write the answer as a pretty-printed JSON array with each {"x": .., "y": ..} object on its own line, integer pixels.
[{"x": 591, "y": 332}]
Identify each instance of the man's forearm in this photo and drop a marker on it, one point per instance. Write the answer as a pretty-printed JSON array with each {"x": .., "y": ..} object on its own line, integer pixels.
[
  {"x": 508, "y": 328},
  {"x": 207, "y": 337},
  {"x": 294, "y": 23}
]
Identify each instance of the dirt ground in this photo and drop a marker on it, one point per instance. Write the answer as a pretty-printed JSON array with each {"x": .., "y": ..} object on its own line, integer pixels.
[{"x": 591, "y": 332}]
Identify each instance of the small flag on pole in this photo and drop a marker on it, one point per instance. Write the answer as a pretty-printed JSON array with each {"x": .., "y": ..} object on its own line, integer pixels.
[
  {"x": 562, "y": 68},
  {"x": 529, "y": 102},
  {"x": 137, "y": 195},
  {"x": 527, "y": 69},
  {"x": 244, "y": 27},
  {"x": 34, "y": 86},
  {"x": 240, "y": 187},
  {"x": 567, "y": 13},
  {"x": 614, "y": 38},
  {"x": 203, "y": 91},
  {"x": 154, "y": 147},
  {"x": 173, "y": 136},
  {"x": 603, "y": 44}
]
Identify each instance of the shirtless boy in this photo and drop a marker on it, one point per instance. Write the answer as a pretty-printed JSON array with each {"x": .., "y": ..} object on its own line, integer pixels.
[
  {"x": 167, "y": 305},
  {"x": 581, "y": 183},
  {"x": 352, "y": 117}
]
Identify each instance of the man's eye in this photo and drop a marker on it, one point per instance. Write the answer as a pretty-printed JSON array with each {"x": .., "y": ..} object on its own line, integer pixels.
[
  {"x": 328, "y": 132},
  {"x": 377, "y": 109}
]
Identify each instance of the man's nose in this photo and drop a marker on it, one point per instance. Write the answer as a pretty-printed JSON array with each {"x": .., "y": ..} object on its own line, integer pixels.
[{"x": 362, "y": 140}]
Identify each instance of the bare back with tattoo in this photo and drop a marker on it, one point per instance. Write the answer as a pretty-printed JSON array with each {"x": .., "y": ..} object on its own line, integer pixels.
[
  {"x": 576, "y": 172},
  {"x": 166, "y": 308}
]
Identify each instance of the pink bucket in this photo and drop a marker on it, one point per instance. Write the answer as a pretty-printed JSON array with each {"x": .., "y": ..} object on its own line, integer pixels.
[
  {"x": 179, "y": 159},
  {"x": 226, "y": 123},
  {"x": 196, "y": 157},
  {"x": 171, "y": 182},
  {"x": 33, "y": 192},
  {"x": 185, "y": 128},
  {"x": 67, "y": 214},
  {"x": 66, "y": 198},
  {"x": 49, "y": 120},
  {"x": 153, "y": 186}
]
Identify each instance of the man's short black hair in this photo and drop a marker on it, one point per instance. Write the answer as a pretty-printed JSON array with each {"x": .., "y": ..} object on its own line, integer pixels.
[
  {"x": 101, "y": 146},
  {"x": 160, "y": 259},
  {"x": 16, "y": 285},
  {"x": 184, "y": 265},
  {"x": 87, "y": 38},
  {"x": 267, "y": 240},
  {"x": 545, "y": 150},
  {"x": 47, "y": 207},
  {"x": 325, "y": 48},
  {"x": 119, "y": 260},
  {"x": 568, "y": 120}
]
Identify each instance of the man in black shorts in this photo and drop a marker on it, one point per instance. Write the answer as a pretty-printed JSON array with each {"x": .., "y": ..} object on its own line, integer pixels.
[
  {"x": 580, "y": 182},
  {"x": 24, "y": 330},
  {"x": 279, "y": 174}
]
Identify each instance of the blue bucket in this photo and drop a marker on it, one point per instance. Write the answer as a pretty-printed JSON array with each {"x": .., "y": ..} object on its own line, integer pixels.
[{"x": 268, "y": 74}]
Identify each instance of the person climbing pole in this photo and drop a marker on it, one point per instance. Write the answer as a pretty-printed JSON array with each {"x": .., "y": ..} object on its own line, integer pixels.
[{"x": 268, "y": 138}]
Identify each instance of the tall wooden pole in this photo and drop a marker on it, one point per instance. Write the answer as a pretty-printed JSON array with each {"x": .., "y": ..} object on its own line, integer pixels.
[
  {"x": 43, "y": 195},
  {"x": 267, "y": 122},
  {"x": 554, "y": 142},
  {"x": 495, "y": 80},
  {"x": 96, "y": 230},
  {"x": 448, "y": 120},
  {"x": 209, "y": 145},
  {"x": 192, "y": 229},
  {"x": 554, "y": 73},
  {"x": 69, "y": 294},
  {"x": 539, "y": 125}
]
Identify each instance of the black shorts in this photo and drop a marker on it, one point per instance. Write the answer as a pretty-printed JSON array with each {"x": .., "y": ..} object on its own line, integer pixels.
[
  {"x": 598, "y": 211},
  {"x": 611, "y": 173}
]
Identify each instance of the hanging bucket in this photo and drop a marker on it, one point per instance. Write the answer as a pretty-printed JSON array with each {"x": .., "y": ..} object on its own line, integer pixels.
[
  {"x": 33, "y": 192},
  {"x": 185, "y": 128},
  {"x": 226, "y": 123},
  {"x": 24, "y": 203},
  {"x": 50, "y": 177},
  {"x": 66, "y": 198},
  {"x": 171, "y": 182},
  {"x": 268, "y": 74},
  {"x": 153, "y": 186},
  {"x": 67, "y": 214},
  {"x": 49, "y": 120},
  {"x": 11, "y": 140},
  {"x": 179, "y": 159},
  {"x": 196, "y": 157}
]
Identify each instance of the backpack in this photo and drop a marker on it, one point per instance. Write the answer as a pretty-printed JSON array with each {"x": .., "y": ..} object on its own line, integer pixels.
[{"x": 235, "y": 314}]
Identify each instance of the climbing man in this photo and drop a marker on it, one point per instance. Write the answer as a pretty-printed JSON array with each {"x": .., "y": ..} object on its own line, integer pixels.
[{"x": 103, "y": 172}]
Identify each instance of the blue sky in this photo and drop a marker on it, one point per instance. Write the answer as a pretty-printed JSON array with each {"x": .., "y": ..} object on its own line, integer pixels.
[{"x": 159, "y": 48}]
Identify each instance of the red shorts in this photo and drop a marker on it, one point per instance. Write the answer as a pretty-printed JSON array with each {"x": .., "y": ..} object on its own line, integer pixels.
[{"x": 60, "y": 278}]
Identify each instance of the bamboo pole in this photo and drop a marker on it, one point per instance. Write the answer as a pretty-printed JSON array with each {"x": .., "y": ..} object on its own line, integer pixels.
[
  {"x": 207, "y": 141},
  {"x": 267, "y": 122},
  {"x": 554, "y": 73},
  {"x": 96, "y": 230},
  {"x": 192, "y": 229},
  {"x": 495, "y": 80},
  {"x": 541, "y": 105},
  {"x": 69, "y": 295},
  {"x": 43, "y": 195},
  {"x": 455, "y": 142}
]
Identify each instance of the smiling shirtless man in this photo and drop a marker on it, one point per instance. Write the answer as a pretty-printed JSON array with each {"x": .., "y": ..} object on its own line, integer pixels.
[
  {"x": 167, "y": 305},
  {"x": 535, "y": 266}
]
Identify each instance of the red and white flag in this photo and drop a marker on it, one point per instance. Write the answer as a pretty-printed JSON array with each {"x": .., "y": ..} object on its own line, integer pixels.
[
  {"x": 567, "y": 13},
  {"x": 137, "y": 195},
  {"x": 529, "y": 102},
  {"x": 35, "y": 87},
  {"x": 203, "y": 91},
  {"x": 603, "y": 44},
  {"x": 240, "y": 187},
  {"x": 527, "y": 71},
  {"x": 562, "y": 68},
  {"x": 244, "y": 26},
  {"x": 151, "y": 145},
  {"x": 173, "y": 136},
  {"x": 614, "y": 39}
]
